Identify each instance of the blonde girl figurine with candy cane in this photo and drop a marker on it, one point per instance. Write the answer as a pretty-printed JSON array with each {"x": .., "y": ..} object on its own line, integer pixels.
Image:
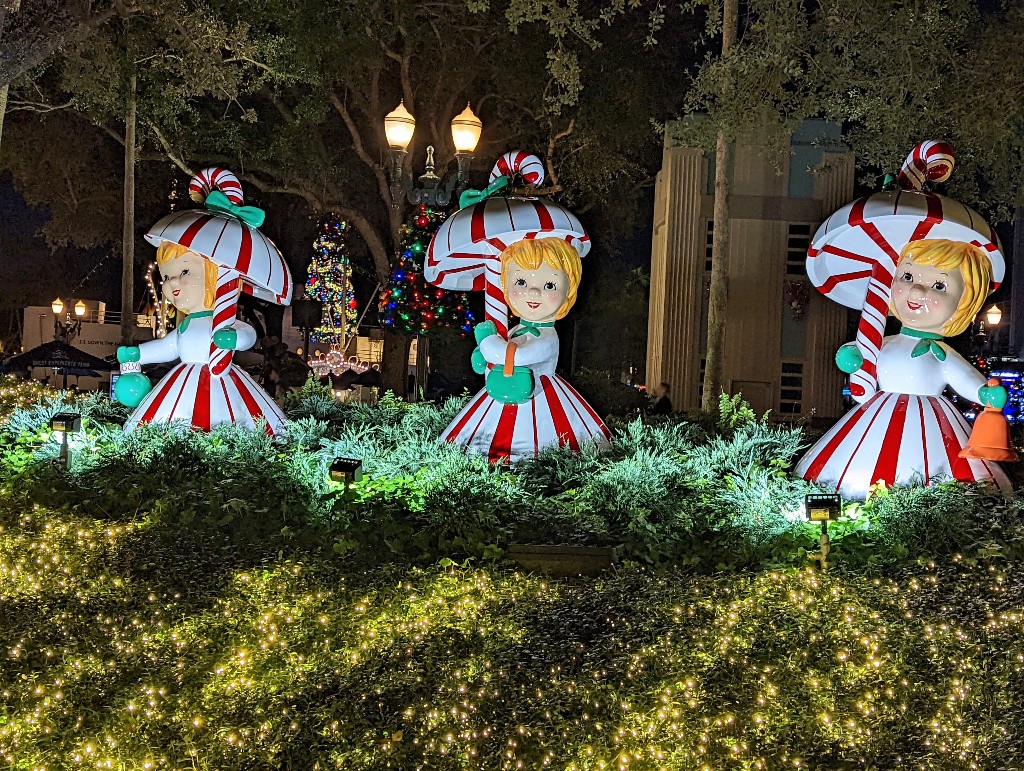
[
  {"x": 206, "y": 257},
  {"x": 524, "y": 253},
  {"x": 931, "y": 262}
]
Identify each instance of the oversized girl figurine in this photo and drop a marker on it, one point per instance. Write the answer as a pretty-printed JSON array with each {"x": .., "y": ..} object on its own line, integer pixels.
[
  {"x": 932, "y": 262},
  {"x": 524, "y": 252},
  {"x": 206, "y": 257}
]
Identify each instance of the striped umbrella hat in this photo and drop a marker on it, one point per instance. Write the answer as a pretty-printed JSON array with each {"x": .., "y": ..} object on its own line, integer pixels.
[
  {"x": 227, "y": 233},
  {"x": 465, "y": 252},
  {"x": 853, "y": 255}
]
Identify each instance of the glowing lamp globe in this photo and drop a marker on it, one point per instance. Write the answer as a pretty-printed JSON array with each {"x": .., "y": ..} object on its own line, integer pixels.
[
  {"x": 466, "y": 128},
  {"x": 399, "y": 126},
  {"x": 80, "y": 309},
  {"x": 993, "y": 316},
  {"x": 57, "y": 306}
]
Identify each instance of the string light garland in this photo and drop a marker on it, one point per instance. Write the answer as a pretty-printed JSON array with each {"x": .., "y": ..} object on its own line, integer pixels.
[{"x": 408, "y": 303}]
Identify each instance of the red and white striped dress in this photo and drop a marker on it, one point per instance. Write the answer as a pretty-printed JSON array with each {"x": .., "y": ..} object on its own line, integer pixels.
[
  {"x": 907, "y": 432},
  {"x": 556, "y": 415},
  {"x": 190, "y": 393}
]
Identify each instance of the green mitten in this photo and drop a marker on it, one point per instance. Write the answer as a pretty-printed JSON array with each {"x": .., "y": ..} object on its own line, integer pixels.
[
  {"x": 127, "y": 353},
  {"x": 849, "y": 358},
  {"x": 226, "y": 339},
  {"x": 478, "y": 361},
  {"x": 131, "y": 389},
  {"x": 484, "y": 329},
  {"x": 993, "y": 396}
]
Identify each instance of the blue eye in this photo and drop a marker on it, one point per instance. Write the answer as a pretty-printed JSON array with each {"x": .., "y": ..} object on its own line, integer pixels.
[
  {"x": 520, "y": 282},
  {"x": 908, "y": 277},
  {"x": 939, "y": 286},
  {"x": 550, "y": 286}
]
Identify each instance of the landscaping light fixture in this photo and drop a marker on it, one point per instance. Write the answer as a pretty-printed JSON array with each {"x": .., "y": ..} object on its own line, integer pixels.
[
  {"x": 65, "y": 423},
  {"x": 346, "y": 470},
  {"x": 823, "y": 508}
]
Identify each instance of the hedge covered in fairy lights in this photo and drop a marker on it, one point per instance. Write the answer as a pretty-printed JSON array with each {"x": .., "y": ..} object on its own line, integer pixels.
[{"x": 134, "y": 640}]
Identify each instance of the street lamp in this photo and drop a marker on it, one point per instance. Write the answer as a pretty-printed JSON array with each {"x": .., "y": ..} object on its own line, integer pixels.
[
  {"x": 67, "y": 329},
  {"x": 993, "y": 316},
  {"x": 399, "y": 126}
]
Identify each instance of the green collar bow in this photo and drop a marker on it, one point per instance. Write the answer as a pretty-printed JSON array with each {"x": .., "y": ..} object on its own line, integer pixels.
[
  {"x": 250, "y": 215},
  {"x": 532, "y": 328},
  {"x": 926, "y": 341},
  {"x": 198, "y": 315}
]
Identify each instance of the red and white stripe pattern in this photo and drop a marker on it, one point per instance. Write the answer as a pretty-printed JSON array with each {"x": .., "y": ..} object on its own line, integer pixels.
[
  {"x": 930, "y": 161},
  {"x": 465, "y": 253},
  {"x": 854, "y": 253},
  {"x": 225, "y": 311},
  {"x": 896, "y": 438},
  {"x": 215, "y": 178},
  {"x": 189, "y": 393},
  {"x": 526, "y": 165},
  {"x": 230, "y": 243},
  {"x": 556, "y": 415}
]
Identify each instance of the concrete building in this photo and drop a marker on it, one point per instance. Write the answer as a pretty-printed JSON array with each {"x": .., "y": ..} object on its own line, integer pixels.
[{"x": 781, "y": 334}]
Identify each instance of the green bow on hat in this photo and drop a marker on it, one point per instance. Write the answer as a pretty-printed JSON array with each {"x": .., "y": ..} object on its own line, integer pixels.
[
  {"x": 250, "y": 215},
  {"x": 471, "y": 197}
]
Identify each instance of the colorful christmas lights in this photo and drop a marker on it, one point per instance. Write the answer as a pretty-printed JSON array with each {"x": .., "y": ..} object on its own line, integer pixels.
[
  {"x": 330, "y": 282},
  {"x": 408, "y": 303}
]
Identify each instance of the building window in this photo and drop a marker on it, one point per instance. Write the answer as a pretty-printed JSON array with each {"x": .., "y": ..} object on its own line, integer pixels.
[
  {"x": 798, "y": 242},
  {"x": 709, "y": 242},
  {"x": 791, "y": 389}
]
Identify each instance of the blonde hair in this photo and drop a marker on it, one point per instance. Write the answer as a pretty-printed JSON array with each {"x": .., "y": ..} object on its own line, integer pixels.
[
  {"x": 974, "y": 266},
  {"x": 553, "y": 252},
  {"x": 168, "y": 251}
]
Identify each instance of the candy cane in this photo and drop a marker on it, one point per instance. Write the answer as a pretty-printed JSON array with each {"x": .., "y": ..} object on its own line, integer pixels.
[
  {"x": 930, "y": 161},
  {"x": 215, "y": 178},
  {"x": 225, "y": 311},
  {"x": 526, "y": 165}
]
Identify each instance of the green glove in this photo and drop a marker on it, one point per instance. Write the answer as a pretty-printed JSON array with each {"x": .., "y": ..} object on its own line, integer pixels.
[
  {"x": 484, "y": 329},
  {"x": 478, "y": 361},
  {"x": 849, "y": 358},
  {"x": 127, "y": 353},
  {"x": 993, "y": 395},
  {"x": 132, "y": 388},
  {"x": 226, "y": 339}
]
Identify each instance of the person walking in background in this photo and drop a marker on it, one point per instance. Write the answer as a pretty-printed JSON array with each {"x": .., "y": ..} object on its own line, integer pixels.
[{"x": 662, "y": 405}]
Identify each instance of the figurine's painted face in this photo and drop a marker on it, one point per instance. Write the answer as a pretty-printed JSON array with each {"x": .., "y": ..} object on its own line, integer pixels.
[
  {"x": 185, "y": 282},
  {"x": 925, "y": 297},
  {"x": 536, "y": 295}
]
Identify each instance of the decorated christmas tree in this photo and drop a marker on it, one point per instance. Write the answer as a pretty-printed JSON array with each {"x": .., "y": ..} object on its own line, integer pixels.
[
  {"x": 408, "y": 303},
  {"x": 330, "y": 282}
]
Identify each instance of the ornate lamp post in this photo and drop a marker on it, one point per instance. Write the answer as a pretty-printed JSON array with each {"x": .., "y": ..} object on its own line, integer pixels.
[
  {"x": 992, "y": 318},
  {"x": 67, "y": 329},
  {"x": 399, "y": 127}
]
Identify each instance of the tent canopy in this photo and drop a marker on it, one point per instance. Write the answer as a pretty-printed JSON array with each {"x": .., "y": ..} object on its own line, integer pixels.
[{"x": 61, "y": 356}]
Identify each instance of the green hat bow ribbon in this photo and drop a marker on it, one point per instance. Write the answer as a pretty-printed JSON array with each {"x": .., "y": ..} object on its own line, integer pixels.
[
  {"x": 471, "y": 197},
  {"x": 250, "y": 215}
]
